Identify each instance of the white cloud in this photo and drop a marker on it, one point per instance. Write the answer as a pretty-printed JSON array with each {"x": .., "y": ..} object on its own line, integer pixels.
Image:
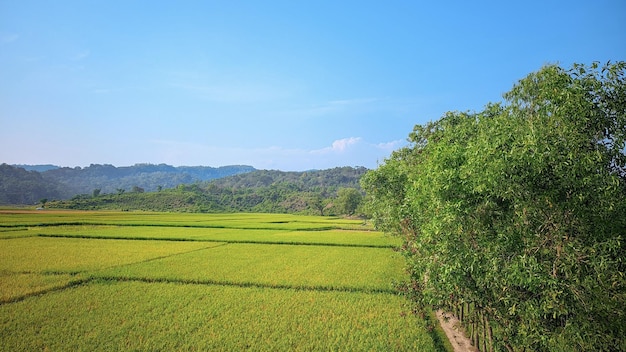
[
  {"x": 391, "y": 146},
  {"x": 352, "y": 151},
  {"x": 339, "y": 146}
]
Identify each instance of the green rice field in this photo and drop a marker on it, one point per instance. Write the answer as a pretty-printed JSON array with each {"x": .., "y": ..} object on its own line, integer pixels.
[{"x": 106, "y": 281}]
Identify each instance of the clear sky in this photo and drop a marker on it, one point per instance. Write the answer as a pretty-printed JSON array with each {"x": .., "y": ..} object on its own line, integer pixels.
[{"x": 289, "y": 85}]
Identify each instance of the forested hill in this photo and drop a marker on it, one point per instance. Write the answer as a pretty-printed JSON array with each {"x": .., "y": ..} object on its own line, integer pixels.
[
  {"x": 324, "y": 192},
  {"x": 18, "y": 186},
  {"x": 311, "y": 181},
  {"x": 26, "y": 184},
  {"x": 149, "y": 177}
]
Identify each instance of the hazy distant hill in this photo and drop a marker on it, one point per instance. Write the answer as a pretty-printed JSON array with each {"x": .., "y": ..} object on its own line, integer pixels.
[
  {"x": 311, "y": 192},
  {"x": 38, "y": 168},
  {"x": 149, "y": 177},
  {"x": 315, "y": 180},
  {"x": 20, "y": 186}
]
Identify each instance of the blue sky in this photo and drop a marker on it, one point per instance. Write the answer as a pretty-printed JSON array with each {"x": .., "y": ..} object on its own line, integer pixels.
[{"x": 288, "y": 85}]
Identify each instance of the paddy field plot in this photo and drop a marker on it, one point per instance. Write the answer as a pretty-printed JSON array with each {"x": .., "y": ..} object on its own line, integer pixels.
[{"x": 157, "y": 281}]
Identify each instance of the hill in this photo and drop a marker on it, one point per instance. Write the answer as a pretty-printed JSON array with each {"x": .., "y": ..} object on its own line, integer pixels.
[
  {"x": 111, "y": 179},
  {"x": 20, "y": 186},
  {"x": 311, "y": 192},
  {"x": 312, "y": 181},
  {"x": 38, "y": 168}
]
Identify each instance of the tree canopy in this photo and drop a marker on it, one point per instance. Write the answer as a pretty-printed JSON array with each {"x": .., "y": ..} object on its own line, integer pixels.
[
  {"x": 518, "y": 211},
  {"x": 323, "y": 192}
]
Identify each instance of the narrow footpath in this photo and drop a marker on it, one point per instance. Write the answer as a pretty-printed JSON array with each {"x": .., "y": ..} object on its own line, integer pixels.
[{"x": 452, "y": 327}]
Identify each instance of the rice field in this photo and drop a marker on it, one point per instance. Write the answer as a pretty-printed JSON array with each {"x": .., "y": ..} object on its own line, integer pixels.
[{"x": 102, "y": 281}]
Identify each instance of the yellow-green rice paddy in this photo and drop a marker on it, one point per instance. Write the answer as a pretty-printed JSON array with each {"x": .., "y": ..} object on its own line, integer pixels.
[{"x": 102, "y": 281}]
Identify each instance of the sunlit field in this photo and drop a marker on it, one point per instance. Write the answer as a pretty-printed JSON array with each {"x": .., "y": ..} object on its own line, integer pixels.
[{"x": 160, "y": 281}]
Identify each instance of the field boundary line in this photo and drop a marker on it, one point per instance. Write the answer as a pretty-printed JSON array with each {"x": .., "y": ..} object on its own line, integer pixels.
[
  {"x": 94, "y": 278},
  {"x": 71, "y": 284},
  {"x": 174, "y": 239},
  {"x": 90, "y": 274},
  {"x": 160, "y": 257},
  {"x": 248, "y": 284},
  {"x": 12, "y": 237},
  {"x": 11, "y": 229},
  {"x": 87, "y": 223}
]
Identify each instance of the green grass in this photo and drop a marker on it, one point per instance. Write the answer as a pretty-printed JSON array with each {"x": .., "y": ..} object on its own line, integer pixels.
[
  {"x": 223, "y": 282},
  {"x": 321, "y": 267},
  {"x": 159, "y": 316},
  {"x": 238, "y": 220},
  {"x": 11, "y": 232},
  {"x": 232, "y": 235},
  {"x": 15, "y": 286},
  {"x": 72, "y": 255}
]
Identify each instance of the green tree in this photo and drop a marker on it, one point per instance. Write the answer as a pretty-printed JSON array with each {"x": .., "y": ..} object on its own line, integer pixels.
[
  {"x": 517, "y": 211},
  {"x": 43, "y": 202},
  {"x": 348, "y": 200},
  {"x": 96, "y": 192},
  {"x": 317, "y": 202}
]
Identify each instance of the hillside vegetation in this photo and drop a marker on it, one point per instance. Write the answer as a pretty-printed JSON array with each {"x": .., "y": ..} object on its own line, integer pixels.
[
  {"x": 27, "y": 184},
  {"x": 18, "y": 186},
  {"x": 320, "y": 192},
  {"x": 149, "y": 177}
]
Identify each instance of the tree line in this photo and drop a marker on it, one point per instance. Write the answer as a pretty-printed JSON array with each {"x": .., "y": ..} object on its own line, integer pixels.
[
  {"x": 25, "y": 184},
  {"x": 513, "y": 217},
  {"x": 18, "y": 186},
  {"x": 321, "y": 192}
]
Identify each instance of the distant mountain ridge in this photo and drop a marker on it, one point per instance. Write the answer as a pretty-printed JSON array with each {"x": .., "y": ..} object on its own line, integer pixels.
[
  {"x": 149, "y": 177},
  {"x": 25, "y": 184},
  {"x": 19, "y": 186},
  {"x": 38, "y": 168},
  {"x": 319, "y": 192}
]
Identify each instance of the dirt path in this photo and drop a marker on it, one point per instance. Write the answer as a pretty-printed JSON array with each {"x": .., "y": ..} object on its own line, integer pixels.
[{"x": 451, "y": 326}]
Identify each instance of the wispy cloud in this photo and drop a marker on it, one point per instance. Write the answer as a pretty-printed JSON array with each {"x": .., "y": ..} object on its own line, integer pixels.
[
  {"x": 391, "y": 146},
  {"x": 80, "y": 55},
  {"x": 336, "y": 106},
  {"x": 229, "y": 86},
  {"x": 235, "y": 92},
  {"x": 351, "y": 151},
  {"x": 6, "y": 38}
]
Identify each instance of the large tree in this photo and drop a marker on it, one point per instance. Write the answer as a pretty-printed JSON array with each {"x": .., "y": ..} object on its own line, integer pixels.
[
  {"x": 517, "y": 211},
  {"x": 348, "y": 200}
]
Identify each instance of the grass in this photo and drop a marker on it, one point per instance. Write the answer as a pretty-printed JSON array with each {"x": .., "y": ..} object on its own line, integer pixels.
[
  {"x": 72, "y": 255},
  {"x": 163, "y": 316},
  {"x": 228, "y": 220},
  {"x": 338, "y": 268},
  {"x": 15, "y": 286},
  {"x": 159, "y": 281},
  {"x": 231, "y": 235}
]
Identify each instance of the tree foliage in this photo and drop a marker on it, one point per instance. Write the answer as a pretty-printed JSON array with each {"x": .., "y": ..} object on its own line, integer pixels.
[
  {"x": 519, "y": 210},
  {"x": 18, "y": 186},
  {"x": 311, "y": 192},
  {"x": 150, "y": 177},
  {"x": 348, "y": 200}
]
